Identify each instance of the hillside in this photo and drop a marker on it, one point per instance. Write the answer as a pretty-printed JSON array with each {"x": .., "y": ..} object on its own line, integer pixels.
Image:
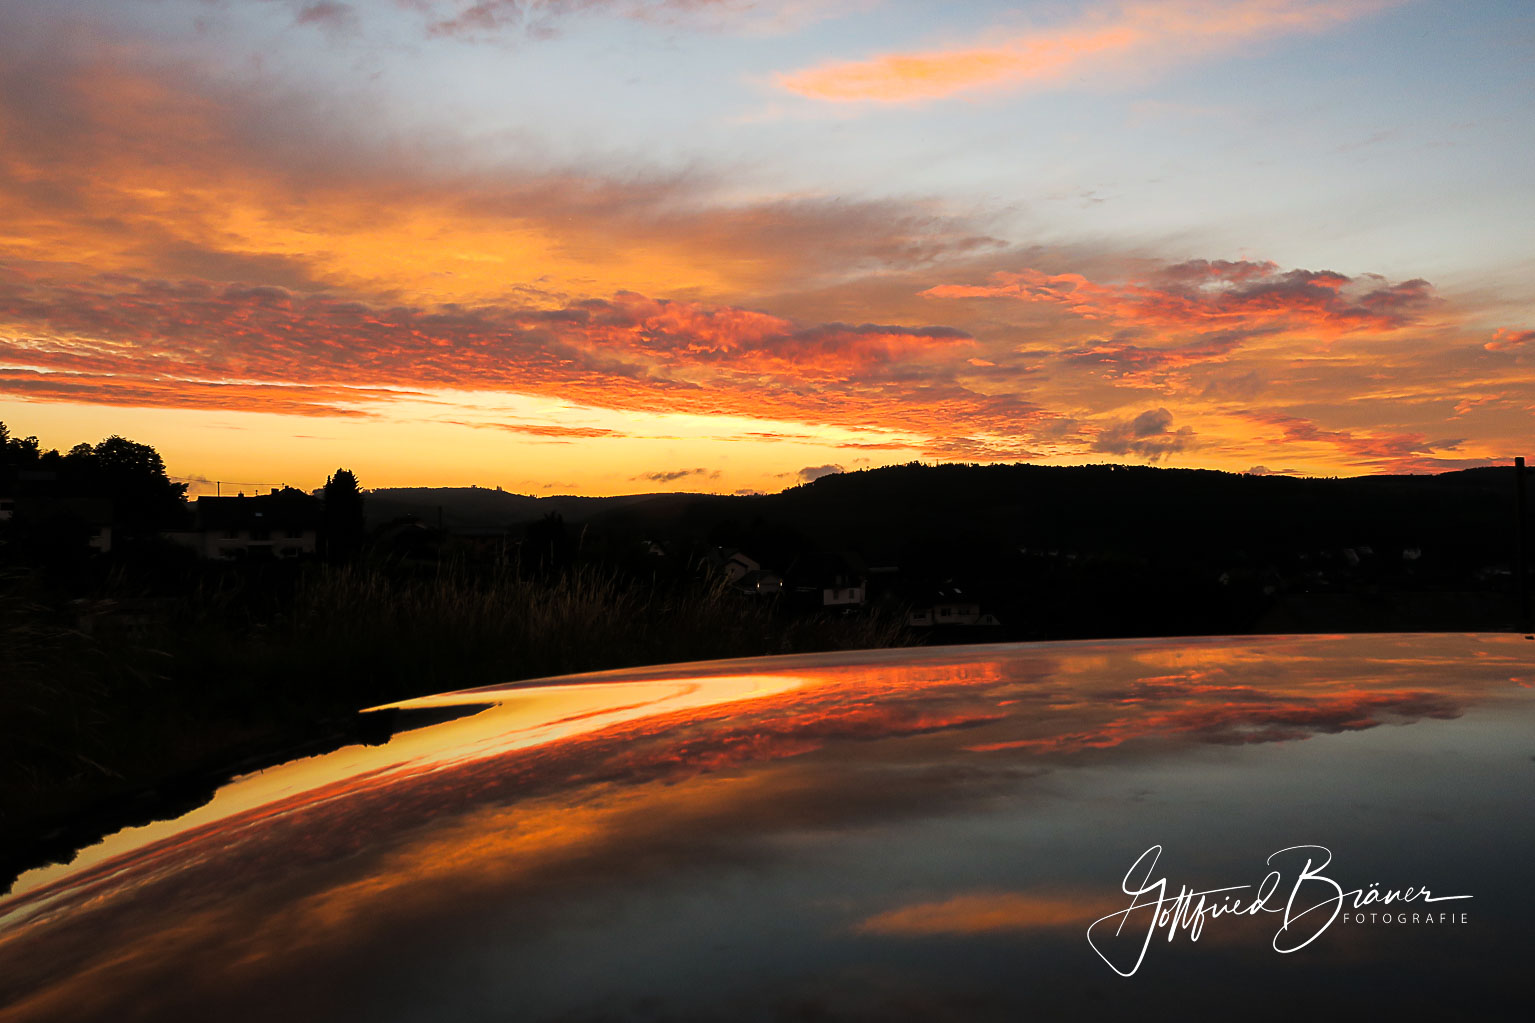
[
  {"x": 473, "y": 508},
  {"x": 1146, "y": 512}
]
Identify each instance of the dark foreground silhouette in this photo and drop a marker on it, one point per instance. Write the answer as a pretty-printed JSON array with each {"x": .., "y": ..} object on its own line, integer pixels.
[{"x": 199, "y": 643}]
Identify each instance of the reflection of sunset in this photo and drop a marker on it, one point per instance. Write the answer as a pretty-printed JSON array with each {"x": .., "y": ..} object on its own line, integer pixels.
[
  {"x": 980, "y": 912},
  {"x": 554, "y": 789},
  {"x": 512, "y": 719}
]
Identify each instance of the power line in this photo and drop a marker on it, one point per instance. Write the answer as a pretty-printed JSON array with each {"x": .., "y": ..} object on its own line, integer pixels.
[{"x": 218, "y": 485}]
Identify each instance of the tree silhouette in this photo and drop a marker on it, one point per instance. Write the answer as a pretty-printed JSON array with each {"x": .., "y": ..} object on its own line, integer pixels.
[
  {"x": 130, "y": 475},
  {"x": 17, "y": 451},
  {"x": 548, "y": 545},
  {"x": 343, "y": 516},
  {"x": 133, "y": 475}
]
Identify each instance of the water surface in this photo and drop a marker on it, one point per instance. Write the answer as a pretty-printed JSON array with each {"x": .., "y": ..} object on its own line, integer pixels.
[{"x": 921, "y": 834}]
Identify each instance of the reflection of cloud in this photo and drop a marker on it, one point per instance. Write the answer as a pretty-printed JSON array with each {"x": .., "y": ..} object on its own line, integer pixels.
[
  {"x": 627, "y": 776},
  {"x": 1252, "y": 716},
  {"x": 1133, "y": 36},
  {"x": 984, "y": 912}
]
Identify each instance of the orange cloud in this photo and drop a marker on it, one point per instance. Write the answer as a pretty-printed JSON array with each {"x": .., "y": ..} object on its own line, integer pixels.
[
  {"x": 120, "y": 164},
  {"x": 552, "y": 431},
  {"x": 126, "y": 390},
  {"x": 113, "y": 339},
  {"x": 1133, "y": 36},
  {"x": 176, "y": 239},
  {"x": 1202, "y": 296},
  {"x": 1507, "y": 340},
  {"x": 1404, "y": 453}
]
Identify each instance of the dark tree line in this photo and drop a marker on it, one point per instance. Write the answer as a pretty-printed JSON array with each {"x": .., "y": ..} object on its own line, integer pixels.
[{"x": 130, "y": 475}]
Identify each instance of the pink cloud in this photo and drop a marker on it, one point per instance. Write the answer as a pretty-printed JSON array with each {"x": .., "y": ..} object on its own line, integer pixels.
[
  {"x": 114, "y": 339},
  {"x": 1132, "y": 37},
  {"x": 1201, "y": 296},
  {"x": 1506, "y": 340}
]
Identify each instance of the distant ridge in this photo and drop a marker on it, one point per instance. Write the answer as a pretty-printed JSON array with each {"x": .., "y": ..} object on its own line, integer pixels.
[
  {"x": 470, "y": 508},
  {"x": 1143, "y": 509}
]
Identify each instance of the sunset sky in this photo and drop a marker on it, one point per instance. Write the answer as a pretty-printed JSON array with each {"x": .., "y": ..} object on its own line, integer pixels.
[{"x": 608, "y": 246}]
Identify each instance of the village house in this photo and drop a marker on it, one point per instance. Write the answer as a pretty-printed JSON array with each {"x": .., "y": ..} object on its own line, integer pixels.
[
  {"x": 951, "y": 606},
  {"x": 282, "y": 524},
  {"x": 831, "y": 580},
  {"x": 742, "y": 572}
]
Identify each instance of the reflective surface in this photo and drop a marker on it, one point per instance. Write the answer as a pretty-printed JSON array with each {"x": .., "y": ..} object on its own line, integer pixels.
[{"x": 922, "y": 834}]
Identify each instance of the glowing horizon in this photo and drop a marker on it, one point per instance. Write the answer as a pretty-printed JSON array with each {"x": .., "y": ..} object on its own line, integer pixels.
[{"x": 640, "y": 245}]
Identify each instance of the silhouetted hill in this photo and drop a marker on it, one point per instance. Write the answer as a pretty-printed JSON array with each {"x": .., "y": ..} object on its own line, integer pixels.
[
  {"x": 1004, "y": 525},
  {"x": 467, "y": 508},
  {"x": 1155, "y": 514}
]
